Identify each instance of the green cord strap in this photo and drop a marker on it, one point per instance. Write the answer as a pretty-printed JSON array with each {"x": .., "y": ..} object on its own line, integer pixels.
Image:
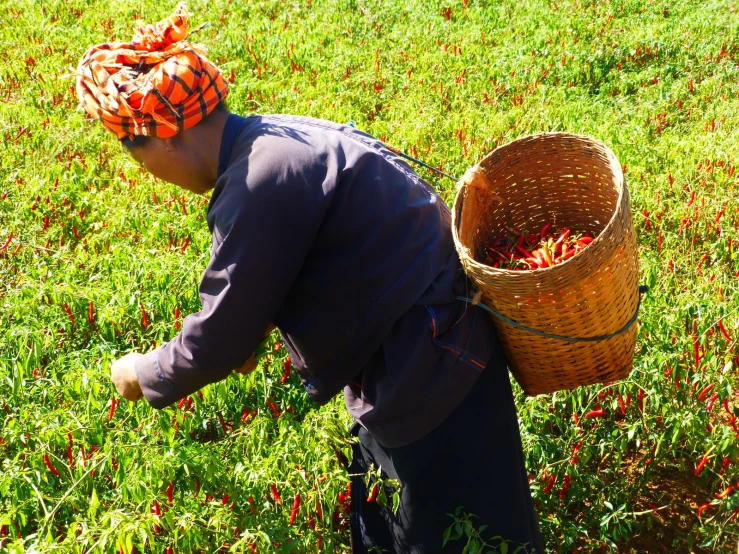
[{"x": 642, "y": 289}]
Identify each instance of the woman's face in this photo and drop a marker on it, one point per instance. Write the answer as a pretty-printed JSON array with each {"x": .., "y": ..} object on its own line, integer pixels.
[{"x": 172, "y": 164}]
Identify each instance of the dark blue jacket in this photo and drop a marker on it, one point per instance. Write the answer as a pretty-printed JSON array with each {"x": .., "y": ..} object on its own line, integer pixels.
[{"x": 322, "y": 231}]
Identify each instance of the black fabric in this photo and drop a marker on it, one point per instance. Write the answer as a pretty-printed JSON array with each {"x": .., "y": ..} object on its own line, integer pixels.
[{"x": 474, "y": 459}]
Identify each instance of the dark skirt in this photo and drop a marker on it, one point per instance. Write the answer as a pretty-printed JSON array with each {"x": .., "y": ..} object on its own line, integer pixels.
[{"x": 473, "y": 460}]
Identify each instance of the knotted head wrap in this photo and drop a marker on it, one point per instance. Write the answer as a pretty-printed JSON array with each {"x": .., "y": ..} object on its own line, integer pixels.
[{"x": 156, "y": 85}]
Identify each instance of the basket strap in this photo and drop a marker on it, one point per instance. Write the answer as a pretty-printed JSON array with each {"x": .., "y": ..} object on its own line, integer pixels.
[
  {"x": 419, "y": 162},
  {"x": 475, "y": 301}
]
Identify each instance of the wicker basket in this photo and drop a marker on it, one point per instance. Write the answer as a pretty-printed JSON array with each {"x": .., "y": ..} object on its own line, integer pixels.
[{"x": 566, "y": 180}]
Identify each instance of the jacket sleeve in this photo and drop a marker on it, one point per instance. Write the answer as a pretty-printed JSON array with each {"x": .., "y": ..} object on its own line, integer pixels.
[{"x": 262, "y": 234}]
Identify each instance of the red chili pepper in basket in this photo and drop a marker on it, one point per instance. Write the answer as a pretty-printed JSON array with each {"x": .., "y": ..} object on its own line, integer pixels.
[
  {"x": 294, "y": 511},
  {"x": 525, "y": 253},
  {"x": 564, "y": 236}
]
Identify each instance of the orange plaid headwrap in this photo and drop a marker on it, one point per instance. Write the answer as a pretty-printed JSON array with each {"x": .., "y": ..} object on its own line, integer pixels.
[{"x": 156, "y": 85}]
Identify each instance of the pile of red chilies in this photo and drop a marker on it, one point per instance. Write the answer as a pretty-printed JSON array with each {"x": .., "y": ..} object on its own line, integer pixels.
[{"x": 522, "y": 251}]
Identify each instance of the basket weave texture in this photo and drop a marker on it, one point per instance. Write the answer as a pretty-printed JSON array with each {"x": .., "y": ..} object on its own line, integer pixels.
[{"x": 569, "y": 181}]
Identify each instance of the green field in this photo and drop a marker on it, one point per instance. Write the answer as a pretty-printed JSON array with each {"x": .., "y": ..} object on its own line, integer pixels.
[{"x": 101, "y": 259}]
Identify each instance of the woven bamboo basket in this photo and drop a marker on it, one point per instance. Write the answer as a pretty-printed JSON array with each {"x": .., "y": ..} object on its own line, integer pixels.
[{"x": 589, "y": 302}]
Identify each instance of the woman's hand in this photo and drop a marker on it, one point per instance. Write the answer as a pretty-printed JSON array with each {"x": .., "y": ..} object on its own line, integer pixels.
[
  {"x": 252, "y": 363},
  {"x": 249, "y": 366},
  {"x": 123, "y": 375}
]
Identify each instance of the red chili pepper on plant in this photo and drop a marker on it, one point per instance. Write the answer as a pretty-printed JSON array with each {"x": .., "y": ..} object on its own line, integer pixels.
[
  {"x": 294, "y": 511},
  {"x": 275, "y": 494},
  {"x": 702, "y": 394},
  {"x": 144, "y": 317},
  {"x": 726, "y": 492},
  {"x": 565, "y": 487},
  {"x": 69, "y": 313},
  {"x": 7, "y": 242},
  {"x": 549, "y": 486},
  {"x": 622, "y": 404},
  {"x": 701, "y": 465},
  {"x": 286, "y": 365},
  {"x": 373, "y": 494},
  {"x": 112, "y": 409},
  {"x": 723, "y": 330},
  {"x": 51, "y": 467},
  {"x": 575, "y": 457},
  {"x": 272, "y": 407},
  {"x": 709, "y": 404},
  {"x": 702, "y": 509},
  {"x": 170, "y": 492}
]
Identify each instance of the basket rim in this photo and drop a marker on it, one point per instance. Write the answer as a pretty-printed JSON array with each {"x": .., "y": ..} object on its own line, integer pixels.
[{"x": 618, "y": 172}]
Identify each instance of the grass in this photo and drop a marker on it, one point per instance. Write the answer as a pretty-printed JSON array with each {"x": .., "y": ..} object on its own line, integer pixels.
[{"x": 447, "y": 82}]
